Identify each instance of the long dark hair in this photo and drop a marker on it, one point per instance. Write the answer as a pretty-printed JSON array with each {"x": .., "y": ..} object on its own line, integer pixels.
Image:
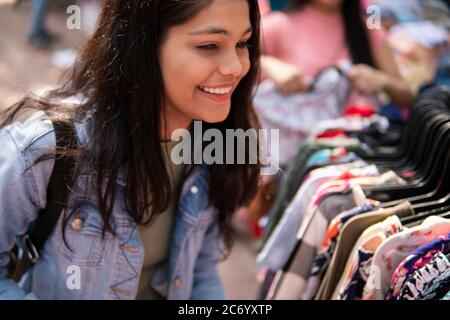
[
  {"x": 355, "y": 29},
  {"x": 118, "y": 73}
]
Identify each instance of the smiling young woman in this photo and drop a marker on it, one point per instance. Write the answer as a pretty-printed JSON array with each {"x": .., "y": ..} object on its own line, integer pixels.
[{"x": 136, "y": 224}]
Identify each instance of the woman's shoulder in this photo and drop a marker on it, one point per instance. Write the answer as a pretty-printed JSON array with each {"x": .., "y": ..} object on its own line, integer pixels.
[
  {"x": 37, "y": 129},
  {"x": 35, "y": 136},
  {"x": 22, "y": 144},
  {"x": 26, "y": 145}
]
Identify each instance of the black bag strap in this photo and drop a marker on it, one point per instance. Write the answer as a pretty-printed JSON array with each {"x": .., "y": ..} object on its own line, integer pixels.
[{"x": 59, "y": 188}]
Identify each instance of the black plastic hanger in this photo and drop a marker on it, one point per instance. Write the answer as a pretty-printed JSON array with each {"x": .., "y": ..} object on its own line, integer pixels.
[
  {"x": 429, "y": 155},
  {"x": 417, "y": 218},
  {"x": 406, "y": 146},
  {"x": 426, "y": 184},
  {"x": 434, "y": 99},
  {"x": 424, "y": 210}
]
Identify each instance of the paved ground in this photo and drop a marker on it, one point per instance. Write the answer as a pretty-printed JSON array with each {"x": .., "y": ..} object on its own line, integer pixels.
[
  {"x": 21, "y": 66},
  {"x": 239, "y": 271},
  {"x": 24, "y": 68}
]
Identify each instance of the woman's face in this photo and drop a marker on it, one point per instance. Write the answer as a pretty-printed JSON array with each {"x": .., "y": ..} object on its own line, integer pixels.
[{"x": 202, "y": 62}]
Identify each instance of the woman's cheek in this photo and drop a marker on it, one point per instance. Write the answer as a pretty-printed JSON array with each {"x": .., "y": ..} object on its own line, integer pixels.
[
  {"x": 246, "y": 63},
  {"x": 247, "y": 68}
]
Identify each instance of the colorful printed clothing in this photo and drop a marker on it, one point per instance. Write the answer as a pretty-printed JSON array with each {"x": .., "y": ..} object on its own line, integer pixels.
[
  {"x": 415, "y": 261},
  {"x": 429, "y": 282},
  {"x": 281, "y": 243},
  {"x": 323, "y": 257},
  {"x": 326, "y": 156},
  {"x": 351, "y": 124},
  {"x": 291, "y": 284},
  {"x": 395, "y": 249},
  {"x": 293, "y": 177},
  {"x": 336, "y": 197},
  {"x": 350, "y": 234},
  {"x": 346, "y": 180},
  {"x": 357, "y": 272}
]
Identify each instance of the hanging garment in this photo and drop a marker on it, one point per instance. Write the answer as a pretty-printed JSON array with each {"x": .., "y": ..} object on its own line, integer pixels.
[
  {"x": 323, "y": 257},
  {"x": 322, "y": 260},
  {"x": 347, "y": 180},
  {"x": 350, "y": 124},
  {"x": 291, "y": 284},
  {"x": 295, "y": 115},
  {"x": 330, "y": 156},
  {"x": 336, "y": 196},
  {"x": 282, "y": 241},
  {"x": 354, "y": 278},
  {"x": 295, "y": 174},
  {"x": 392, "y": 252},
  {"x": 430, "y": 282},
  {"x": 420, "y": 257},
  {"x": 349, "y": 236}
]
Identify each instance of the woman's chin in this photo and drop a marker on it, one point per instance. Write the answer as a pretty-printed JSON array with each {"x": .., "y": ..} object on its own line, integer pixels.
[{"x": 216, "y": 117}]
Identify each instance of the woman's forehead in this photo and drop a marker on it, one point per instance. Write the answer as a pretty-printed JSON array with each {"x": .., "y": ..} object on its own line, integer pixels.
[{"x": 227, "y": 17}]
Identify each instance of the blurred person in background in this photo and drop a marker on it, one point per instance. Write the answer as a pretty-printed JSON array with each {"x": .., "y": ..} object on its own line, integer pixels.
[
  {"x": 313, "y": 34},
  {"x": 38, "y": 35},
  {"x": 418, "y": 34}
]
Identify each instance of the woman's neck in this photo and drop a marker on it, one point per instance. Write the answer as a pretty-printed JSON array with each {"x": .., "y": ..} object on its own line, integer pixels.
[{"x": 171, "y": 122}]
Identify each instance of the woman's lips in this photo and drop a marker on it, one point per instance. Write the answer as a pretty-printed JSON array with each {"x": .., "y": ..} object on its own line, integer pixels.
[{"x": 217, "y": 97}]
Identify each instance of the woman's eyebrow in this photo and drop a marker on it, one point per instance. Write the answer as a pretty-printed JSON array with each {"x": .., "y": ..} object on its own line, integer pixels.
[{"x": 216, "y": 30}]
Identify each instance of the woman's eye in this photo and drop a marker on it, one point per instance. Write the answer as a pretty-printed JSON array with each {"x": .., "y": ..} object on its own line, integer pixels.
[
  {"x": 243, "y": 44},
  {"x": 208, "y": 47}
]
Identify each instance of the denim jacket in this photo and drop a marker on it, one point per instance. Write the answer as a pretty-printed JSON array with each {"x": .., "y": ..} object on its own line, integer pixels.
[{"x": 93, "y": 267}]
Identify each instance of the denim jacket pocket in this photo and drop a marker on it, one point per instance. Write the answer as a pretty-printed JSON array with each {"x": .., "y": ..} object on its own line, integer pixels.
[{"x": 86, "y": 243}]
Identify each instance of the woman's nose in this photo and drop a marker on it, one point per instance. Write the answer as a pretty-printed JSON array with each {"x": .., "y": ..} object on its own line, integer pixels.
[{"x": 232, "y": 65}]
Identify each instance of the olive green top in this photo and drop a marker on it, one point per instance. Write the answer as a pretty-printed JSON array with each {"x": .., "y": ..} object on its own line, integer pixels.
[{"x": 156, "y": 237}]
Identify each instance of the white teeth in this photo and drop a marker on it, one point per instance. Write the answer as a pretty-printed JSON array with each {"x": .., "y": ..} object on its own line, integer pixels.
[{"x": 216, "y": 90}]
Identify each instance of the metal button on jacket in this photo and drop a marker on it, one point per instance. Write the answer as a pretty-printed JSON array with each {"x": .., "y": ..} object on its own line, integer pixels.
[
  {"x": 194, "y": 189},
  {"x": 178, "y": 282},
  {"x": 130, "y": 249},
  {"x": 77, "y": 223}
]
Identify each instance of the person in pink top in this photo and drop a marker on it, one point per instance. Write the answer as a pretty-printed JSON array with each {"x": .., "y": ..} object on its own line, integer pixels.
[{"x": 313, "y": 34}]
